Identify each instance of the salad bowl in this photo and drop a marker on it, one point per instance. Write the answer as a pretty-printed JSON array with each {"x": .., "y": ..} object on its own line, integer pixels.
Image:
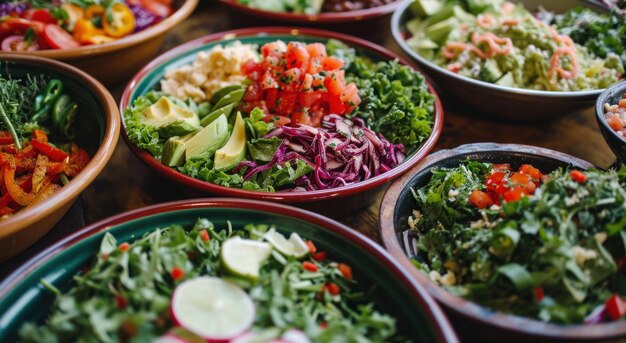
[
  {"x": 331, "y": 201},
  {"x": 99, "y": 124},
  {"x": 22, "y": 296},
  {"x": 611, "y": 96},
  {"x": 114, "y": 62},
  {"x": 490, "y": 98},
  {"x": 467, "y": 316}
]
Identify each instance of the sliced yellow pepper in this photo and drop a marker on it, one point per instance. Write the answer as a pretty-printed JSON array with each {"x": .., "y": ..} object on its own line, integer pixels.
[{"x": 119, "y": 21}]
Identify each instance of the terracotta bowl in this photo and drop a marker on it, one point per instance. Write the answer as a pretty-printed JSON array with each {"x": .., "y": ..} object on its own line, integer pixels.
[
  {"x": 488, "y": 98},
  {"x": 98, "y": 125},
  {"x": 114, "y": 62},
  {"x": 470, "y": 319},
  {"x": 333, "y": 202},
  {"x": 23, "y": 299},
  {"x": 617, "y": 143}
]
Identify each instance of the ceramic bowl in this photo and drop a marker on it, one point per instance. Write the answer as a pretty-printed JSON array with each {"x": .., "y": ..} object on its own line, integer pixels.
[
  {"x": 470, "y": 319},
  {"x": 22, "y": 298},
  {"x": 319, "y": 18},
  {"x": 98, "y": 126},
  {"x": 114, "y": 62},
  {"x": 617, "y": 143},
  {"x": 491, "y": 99},
  {"x": 333, "y": 202}
]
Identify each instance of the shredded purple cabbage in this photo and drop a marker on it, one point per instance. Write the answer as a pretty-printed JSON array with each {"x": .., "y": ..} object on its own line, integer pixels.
[
  {"x": 8, "y": 8},
  {"x": 143, "y": 17},
  {"x": 341, "y": 152}
]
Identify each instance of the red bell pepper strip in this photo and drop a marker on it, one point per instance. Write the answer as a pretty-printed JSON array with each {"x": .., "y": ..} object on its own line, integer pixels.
[{"x": 53, "y": 153}]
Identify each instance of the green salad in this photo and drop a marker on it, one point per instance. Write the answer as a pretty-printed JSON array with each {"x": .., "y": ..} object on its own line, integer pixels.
[
  {"x": 499, "y": 42},
  {"x": 286, "y": 116},
  {"x": 549, "y": 247},
  {"x": 200, "y": 283}
]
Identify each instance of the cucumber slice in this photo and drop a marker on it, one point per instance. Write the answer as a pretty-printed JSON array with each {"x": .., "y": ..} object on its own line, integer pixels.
[
  {"x": 294, "y": 246},
  {"x": 212, "y": 308},
  {"x": 244, "y": 257}
]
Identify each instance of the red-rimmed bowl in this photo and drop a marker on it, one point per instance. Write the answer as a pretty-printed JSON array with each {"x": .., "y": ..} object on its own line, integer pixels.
[
  {"x": 469, "y": 318},
  {"x": 318, "y": 18},
  {"x": 333, "y": 202},
  {"x": 23, "y": 299}
]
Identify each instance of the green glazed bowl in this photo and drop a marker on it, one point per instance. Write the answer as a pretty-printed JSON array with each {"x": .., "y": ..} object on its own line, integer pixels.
[
  {"x": 23, "y": 298},
  {"x": 334, "y": 202}
]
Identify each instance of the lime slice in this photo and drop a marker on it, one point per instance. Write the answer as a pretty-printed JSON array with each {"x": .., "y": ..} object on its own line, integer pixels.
[
  {"x": 212, "y": 308},
  {"x": 294, "y": 246},
  {"x": 244, "y": 257}
]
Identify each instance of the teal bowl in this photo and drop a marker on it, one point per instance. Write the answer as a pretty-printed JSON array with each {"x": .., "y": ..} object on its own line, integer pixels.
[
  {"x": 333, "y": 202},
  {"x": 24, "y": 299},
  {"x": 97, "y": 131}
]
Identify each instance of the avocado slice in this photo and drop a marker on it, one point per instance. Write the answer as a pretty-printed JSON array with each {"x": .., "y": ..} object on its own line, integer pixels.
[
  {"x": 235, "y": 149},
  {"x": 170, "y": 119},
  {"x": 439, "y": 32},
  {"x": 222, "y": 92},
  {"x": 174, "y": 152},
  {"x": 425, "y": 8},
  {"x": 233, "y": 97},
  {"x": 206, "y": 141},
  {"x": 225, "y": 110},
  {"x": 506, "y": 80},
  {"x": 489, "y": 71}
]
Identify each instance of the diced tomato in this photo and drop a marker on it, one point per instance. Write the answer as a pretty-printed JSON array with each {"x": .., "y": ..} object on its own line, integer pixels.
[
  {"x": 350, "y": 97},
  {"x": 308, "y": 99},
  {"x": 615, "y": 307},
  {"x": 345, "y": 270},
  {"x": 250, "y": 66},
  {"x": 494, "y": 180},
  {"x": 177, "y": 273},
  {"x": 5, "y": 138},
  {"x": 58, "y": 38},
  {"x": 315, "y": 66},
  {"x": 519, "y": 179},
  {"x": 502, "y": 167},
  {"x": 333, "y": 288},
  {"x": 614, "y": 121},
  {"x": 320, "y": 256},
  {"x": 316, "y": 50},
  {"x": 480, "y": 199},
  {"x": 280, "y": 120},
  {"x": 268, "y": 82},
  {"x": 311, "y": 246},
  {"x": 515, "y": 194},
  {"x": 291, "y": 79},
  {"x": 578, "y": 176},
  {"x": 309, "y": 266},
  {"x": 120, "y": 301},
  {"x": 335, "y": 82},
  {"x": 539, "y": 295},
  {"x": 276, "y": 48},
  {"x": 335, "y": 105},
  {"x": 297, "y": 56},
  {"x": 253, "y": 93},
  {"x": 301, "y": 116},
  {"x": 124, "y": 246},
  {"x": 204, "y": 236},
  {"x": 622, "y": 103},
  {"x": 41, "y": 15},
  {"x": 531, "y": 171},
  {"x": 287, "y": 103},
  {"x": 332, "y": 63}
]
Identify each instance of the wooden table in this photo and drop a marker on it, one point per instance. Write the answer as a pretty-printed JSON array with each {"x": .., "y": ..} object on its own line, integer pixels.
[{"x": 126, "y": 183}]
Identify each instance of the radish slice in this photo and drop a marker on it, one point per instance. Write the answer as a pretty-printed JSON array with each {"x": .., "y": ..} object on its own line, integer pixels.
[
  {"x": 295, "y": 336},
  {"x": 169, "y": 339},
  {"x": 212, "y": 308},
  {"x": 290, "y": 336}
]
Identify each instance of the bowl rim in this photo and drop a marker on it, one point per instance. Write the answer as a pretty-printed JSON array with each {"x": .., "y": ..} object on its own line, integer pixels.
[
  {"x": 161, "y": 27},
  {"x": 322, "y": 17},
  {"x": 396, "y": 32},
  {"x": 439, "y": 322},
  {"x": 465, "y": 309},
  {"x": 302, "y": 197},
  {"x": 30, "y": 215},
  {"x": 619, "y": 87}
]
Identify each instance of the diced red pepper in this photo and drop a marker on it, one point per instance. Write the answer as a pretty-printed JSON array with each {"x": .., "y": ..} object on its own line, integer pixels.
[
  {"x": 578, "y": 176},
  {"x": 124, "y": 246},
  {"x": 333, "y": 288},
  {"x": 345, "y": 270},
  {"x": 177, "y": 273},
  {"x": 312, "y": 247},
  {"x": 204, "y": 236},
  {"x": 320, "y": 256}
]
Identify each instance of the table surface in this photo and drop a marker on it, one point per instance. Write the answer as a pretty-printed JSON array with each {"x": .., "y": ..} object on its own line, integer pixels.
[{"x": 126, "y": 183}]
